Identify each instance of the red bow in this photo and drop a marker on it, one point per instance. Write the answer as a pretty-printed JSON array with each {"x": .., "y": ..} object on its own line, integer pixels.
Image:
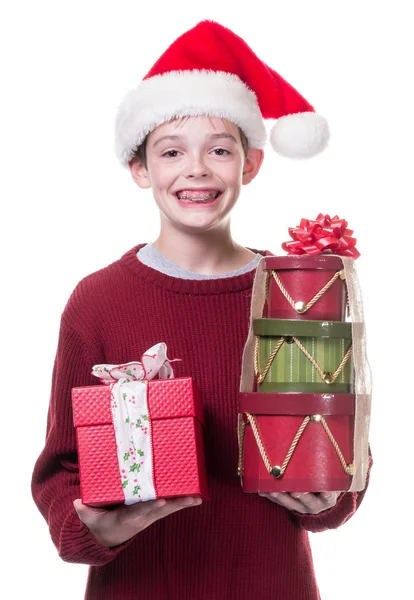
[{"x": 314, "y": 237}]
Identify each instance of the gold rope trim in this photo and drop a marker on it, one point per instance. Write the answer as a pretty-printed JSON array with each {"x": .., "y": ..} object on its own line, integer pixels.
[
  {"x": 256, "y": 434},
  {"x": 275, "y": 350},
  {"x": 269, "y": 467},
  {"x": 277, "y": 471},
  {"x": 323, "y": 375},
  {"x": 294, "y": 444},
  {"x": 242, "y": 429},
  {"x": 349, "y": 470},
  {"x": 307, "y": 305},
  {"x": 326, "y": 377}
]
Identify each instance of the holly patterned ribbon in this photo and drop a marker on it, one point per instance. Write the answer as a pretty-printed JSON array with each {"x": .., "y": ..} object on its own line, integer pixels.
[{"x": 131, "y": 418}]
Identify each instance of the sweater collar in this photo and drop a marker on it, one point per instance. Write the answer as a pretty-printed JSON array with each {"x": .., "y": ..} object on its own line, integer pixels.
[{"x": 188, "y": 286}]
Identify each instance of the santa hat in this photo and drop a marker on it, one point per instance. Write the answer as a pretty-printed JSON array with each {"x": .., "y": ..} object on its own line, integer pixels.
[{"x": 209, "y": 70}]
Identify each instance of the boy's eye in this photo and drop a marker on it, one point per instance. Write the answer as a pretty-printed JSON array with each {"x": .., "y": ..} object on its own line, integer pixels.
[
  {"x": 221, "y": 151},
  {"x": 171, "y": 153}
]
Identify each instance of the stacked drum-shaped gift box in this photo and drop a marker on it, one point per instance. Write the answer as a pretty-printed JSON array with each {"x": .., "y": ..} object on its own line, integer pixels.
[{"x": 296, "y": 426}]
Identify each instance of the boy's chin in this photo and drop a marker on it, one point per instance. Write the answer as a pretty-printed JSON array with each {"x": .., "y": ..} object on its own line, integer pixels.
[{"x": 197, "y": 226}]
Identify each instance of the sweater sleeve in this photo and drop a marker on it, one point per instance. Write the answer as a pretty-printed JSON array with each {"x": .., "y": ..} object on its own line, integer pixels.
[
  {"x": 55, "y": 480},
  {"x": 346, "y": 506}
]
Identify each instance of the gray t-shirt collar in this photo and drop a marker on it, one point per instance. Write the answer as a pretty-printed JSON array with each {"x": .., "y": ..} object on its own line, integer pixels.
[{"x": 150, "y": 256}]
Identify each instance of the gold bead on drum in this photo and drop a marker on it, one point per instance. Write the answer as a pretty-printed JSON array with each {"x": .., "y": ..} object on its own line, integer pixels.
[
  {"x": 300, "y": 306},
  {"x": 315, "y": 418},
  {"x": 328, "y": 378},
  {"x": 276, "y": 471},
  {"x": 342, "y": 274}
]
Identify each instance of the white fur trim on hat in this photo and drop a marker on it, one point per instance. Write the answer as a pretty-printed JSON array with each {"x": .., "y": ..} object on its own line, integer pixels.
[
  {"x": 300, "y": 135},
  {"x": 181, "y": 94}
]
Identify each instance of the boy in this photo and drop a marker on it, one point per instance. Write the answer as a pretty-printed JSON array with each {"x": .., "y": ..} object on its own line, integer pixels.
[{"x": 194, "y": 134}]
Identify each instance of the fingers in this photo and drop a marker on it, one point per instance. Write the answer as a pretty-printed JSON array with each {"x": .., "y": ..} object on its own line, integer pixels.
[
  {"x": 285, "y": 500},
  {"x": 87, "y": 513},
  {"x": 316, "y": 503},
  {"x": 329, "y": 496},
  {"x": 309, "y": 503},
  {"x": 163, "y": 508},
  {"x": 162, "y": 505},
  {"x": 304, "y": 502}
]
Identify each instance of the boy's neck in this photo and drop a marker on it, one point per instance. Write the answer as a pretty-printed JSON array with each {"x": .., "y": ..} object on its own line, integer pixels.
[{"x": 211, "y": 253}]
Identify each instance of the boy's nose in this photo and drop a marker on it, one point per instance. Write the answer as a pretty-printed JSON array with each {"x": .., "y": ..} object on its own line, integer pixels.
[{"x": 196, "y": 167}]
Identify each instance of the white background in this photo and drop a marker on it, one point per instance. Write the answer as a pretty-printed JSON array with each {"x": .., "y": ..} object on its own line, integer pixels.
[{"x": 68, "y": 208}]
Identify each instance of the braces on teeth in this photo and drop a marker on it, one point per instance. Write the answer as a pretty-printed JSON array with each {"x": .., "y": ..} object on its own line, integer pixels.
[{"x": 194, "y": 198}]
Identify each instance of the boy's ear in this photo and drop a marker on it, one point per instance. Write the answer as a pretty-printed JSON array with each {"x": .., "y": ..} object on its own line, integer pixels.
[
  {"x": 139, "y": 173},
  {"x": 252, "y": 164}
]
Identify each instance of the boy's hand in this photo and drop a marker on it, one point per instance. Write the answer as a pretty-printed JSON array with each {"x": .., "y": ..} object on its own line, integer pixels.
[
  {"x": 304, "y": 502},
  {"x": 113, "y": 526}
]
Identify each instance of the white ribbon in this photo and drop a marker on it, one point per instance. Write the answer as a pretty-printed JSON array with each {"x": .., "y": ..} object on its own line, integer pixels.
[{"x": 131, "y": 418}]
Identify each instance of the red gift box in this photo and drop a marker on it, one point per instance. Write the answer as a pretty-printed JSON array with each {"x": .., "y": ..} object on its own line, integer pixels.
[
  {"x": 176, "y": 417},
  {"x": 313, "y": 463},
  {"x": 303, "y": 277}
]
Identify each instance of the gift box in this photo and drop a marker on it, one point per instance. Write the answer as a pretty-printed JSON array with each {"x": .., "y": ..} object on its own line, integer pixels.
[
  {"x": 305, "y": 386},
  {"x": 161, "y": 455},
  {"x": 296, "y": 442},
  {"x": 306, "y": 287},
  {"x": 304, "y": 356},
  {"x": 309, "y": 283}
]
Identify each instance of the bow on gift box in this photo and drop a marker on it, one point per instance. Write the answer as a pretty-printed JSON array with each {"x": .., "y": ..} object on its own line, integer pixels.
[
  {"x": 154, "y": 361},
  {"x": 131, "y": 418},
  {"x": 321, "y": 235}
]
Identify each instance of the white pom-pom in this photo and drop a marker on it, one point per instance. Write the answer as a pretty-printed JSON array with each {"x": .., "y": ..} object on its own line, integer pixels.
[{"x": 300, "y": 135}]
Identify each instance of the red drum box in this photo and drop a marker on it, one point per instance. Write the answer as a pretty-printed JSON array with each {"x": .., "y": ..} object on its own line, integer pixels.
[
  {"x": 297, "y": 442},
  {"x": 306, "y": 287}
]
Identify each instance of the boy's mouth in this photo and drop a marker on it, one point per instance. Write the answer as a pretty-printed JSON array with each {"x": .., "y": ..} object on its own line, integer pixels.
[{"x": 203, "y": 196}]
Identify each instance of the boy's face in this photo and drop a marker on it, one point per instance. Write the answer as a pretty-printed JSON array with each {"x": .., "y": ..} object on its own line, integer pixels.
[{"x": 196, "y": 167}]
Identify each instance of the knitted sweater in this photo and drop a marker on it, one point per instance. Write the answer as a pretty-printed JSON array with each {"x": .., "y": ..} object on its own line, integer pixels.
[{"x": 234, "y": 546}]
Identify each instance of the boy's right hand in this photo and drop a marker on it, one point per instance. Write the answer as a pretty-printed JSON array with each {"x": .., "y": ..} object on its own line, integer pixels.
[{"x": 113, "y": 526}]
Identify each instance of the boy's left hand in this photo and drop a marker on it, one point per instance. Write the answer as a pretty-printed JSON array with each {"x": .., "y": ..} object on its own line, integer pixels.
[{"x": 304, "y": 502}]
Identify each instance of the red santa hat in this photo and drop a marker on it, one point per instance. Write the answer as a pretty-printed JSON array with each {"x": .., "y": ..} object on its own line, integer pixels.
[{"x": 209, "y": 70}]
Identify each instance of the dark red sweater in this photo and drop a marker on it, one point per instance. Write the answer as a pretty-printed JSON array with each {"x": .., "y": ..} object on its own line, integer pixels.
[{"x": 236, "y": 546}]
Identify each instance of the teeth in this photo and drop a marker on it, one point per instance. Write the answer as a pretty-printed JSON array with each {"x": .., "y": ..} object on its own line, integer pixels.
[{"x": 197, "y": 197}]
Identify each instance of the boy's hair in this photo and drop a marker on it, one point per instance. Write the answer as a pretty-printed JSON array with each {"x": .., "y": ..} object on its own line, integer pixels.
[{"x": 140, "y": 153}]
